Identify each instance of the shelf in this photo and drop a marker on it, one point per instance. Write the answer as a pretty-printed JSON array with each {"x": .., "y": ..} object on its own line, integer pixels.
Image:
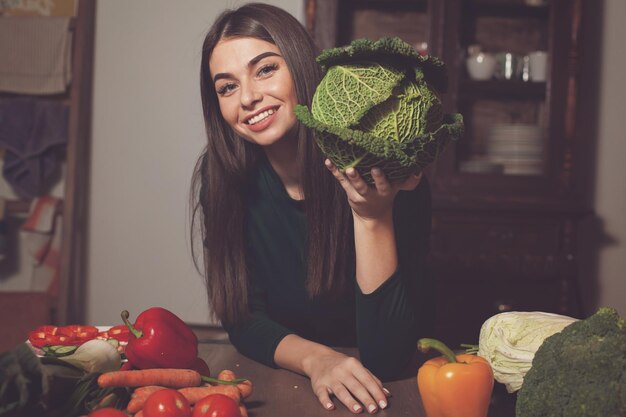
[
  {"x": 502, "y": 89},
  {"x": 501, "y": 8},
  {"x": 386, "y": 5}
]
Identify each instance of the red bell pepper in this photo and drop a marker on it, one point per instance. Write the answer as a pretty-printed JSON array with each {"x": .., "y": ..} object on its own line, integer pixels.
[{"x": 160, "y": 339}]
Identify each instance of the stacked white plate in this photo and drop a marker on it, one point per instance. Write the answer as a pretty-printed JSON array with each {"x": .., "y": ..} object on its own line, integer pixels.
[{"x": 518, "y": 147}]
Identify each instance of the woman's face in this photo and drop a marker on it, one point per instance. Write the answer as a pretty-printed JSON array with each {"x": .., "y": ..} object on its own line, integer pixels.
[{"x": 254, "y": 89}]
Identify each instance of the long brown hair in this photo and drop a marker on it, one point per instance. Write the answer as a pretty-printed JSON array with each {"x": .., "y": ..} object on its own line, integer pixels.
[{"x": 224, "y": 169}]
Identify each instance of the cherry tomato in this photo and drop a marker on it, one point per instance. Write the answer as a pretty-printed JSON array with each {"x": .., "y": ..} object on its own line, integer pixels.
[
  {"x": 216, "y": 405},
  {"x": 108, "y": 412},
  {"x": 167, "y": 403}
]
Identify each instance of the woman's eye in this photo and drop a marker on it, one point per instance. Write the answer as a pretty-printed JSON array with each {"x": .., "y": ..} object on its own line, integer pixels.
[
  {"x": 226, "y": 88},
  {"x": 267, "y": 69}
]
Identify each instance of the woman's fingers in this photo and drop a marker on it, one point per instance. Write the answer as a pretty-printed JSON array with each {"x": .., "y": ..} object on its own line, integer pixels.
[
  {"x": 358, "y": 183},
  {"x": 380, "y": 181},
  {"x": 411, "y": 182},
  {"x": 350, "y": 382},
  {"x": 343, "y": 180},
  {"x": 373, "y": 386},
  {"x": 324, "y": 398},
  {"x": 343, "y": 394},
  {"x": 363, "y": 393}
]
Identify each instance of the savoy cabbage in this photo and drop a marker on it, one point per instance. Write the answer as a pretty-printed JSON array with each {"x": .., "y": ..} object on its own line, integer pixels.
[{"x": 378, "y": 105}]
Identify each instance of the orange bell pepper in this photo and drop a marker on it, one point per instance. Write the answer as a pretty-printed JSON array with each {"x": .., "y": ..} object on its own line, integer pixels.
[{"x": 454, "y": 385}]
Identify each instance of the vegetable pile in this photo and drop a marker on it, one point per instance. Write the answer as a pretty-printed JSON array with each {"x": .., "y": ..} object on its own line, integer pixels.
[
  {"x": 566, "y": 367},
  {"x": 378, "y": 106},
  {"x": 152, "y": 386},
  {"x": 80, "y": 371}
]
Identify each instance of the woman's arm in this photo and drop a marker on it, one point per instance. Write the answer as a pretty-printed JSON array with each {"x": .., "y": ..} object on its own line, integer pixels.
[
  {"x": 372, "y": 211},
  {"x": 331, "y": 372},
  {"x": 375, "y": 250},
  {"x": 386, "y": 301}
]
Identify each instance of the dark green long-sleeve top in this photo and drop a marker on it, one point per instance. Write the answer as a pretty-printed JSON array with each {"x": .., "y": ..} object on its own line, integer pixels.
[{"x": 384, "y": 324}]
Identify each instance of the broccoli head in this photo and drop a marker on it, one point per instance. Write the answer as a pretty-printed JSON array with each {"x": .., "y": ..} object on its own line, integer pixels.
[
  {"x": 378, "y": 105},
  {"x": 579, "y": 372}
]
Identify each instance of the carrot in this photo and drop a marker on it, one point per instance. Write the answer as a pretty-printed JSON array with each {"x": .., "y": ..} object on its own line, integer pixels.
[
  {"x": 195, "y": 394},
  {"x": 243, "y": 411},
  {"x": 244, "y": 387},
  {"x": 139, "y": 397},
  {"x": 170, "y": 378},
  {"x": 146, "y": 390}
]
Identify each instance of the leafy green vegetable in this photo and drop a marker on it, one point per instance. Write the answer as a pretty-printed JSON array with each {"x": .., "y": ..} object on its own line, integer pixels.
[
  {"x": 33, "y": 386},
  {"x": 509, "y": 341},
  {"x": 579, "y": 372},
  {"x": 378, "y": 105}
]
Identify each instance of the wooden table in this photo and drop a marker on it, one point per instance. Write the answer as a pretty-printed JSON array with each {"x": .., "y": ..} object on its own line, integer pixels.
[{"x": 280, "y": 393}]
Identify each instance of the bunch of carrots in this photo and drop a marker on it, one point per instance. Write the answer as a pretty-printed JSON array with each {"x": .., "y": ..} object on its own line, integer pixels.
[{"x": 188, "y": 382}]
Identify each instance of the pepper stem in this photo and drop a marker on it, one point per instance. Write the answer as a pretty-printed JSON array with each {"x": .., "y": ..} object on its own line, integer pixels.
[
  {"x": 135, "y": 332},
  {"x": 424, "y": 345}
]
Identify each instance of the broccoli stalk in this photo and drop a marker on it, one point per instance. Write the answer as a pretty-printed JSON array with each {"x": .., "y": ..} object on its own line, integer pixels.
[{"x": 579, "y": 372}]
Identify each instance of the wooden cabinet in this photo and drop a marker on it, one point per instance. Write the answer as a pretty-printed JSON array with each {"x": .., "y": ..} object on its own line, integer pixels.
[
  {"x": 507, "y": 197},
  {"x": 69, "y": 305}
]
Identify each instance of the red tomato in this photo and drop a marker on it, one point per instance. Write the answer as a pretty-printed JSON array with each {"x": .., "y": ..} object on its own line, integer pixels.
[
  {"x": 166, "y": 403},
  {"x": 108, "y": 412},
  {"x": 216, "y": 405}
]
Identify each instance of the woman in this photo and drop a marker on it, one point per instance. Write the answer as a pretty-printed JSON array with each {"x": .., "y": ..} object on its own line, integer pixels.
[{"x": 298, "y": 256}]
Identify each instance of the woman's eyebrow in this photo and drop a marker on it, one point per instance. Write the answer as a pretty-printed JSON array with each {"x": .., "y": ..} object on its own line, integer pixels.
[
  {"x": 252, "y": 62},
  {"x": 259, "y": 57}
]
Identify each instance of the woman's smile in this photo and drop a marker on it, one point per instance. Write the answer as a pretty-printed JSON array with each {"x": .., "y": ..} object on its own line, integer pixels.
[{"x": 262, "y": 119}]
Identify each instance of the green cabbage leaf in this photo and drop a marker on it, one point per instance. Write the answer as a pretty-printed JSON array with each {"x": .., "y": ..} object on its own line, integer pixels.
[{"x": 378, "y": 105}]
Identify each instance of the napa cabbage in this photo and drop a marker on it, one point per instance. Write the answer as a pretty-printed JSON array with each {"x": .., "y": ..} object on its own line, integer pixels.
[
  {"x": 379, "y": 105},
  {"x": 510, "y": 340}
]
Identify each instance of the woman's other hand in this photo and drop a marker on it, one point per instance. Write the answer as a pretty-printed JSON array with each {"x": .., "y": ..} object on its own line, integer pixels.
[
  {"x": 345, "y": 378},
  {"x": 371, "y": 202}
]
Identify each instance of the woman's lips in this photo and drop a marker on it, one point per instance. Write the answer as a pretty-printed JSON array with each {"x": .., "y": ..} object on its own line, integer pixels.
[{"x": 263, "y": 124}]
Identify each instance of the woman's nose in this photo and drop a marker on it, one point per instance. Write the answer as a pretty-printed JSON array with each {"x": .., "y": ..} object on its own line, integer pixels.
[{"x": 249, "y": 94}]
